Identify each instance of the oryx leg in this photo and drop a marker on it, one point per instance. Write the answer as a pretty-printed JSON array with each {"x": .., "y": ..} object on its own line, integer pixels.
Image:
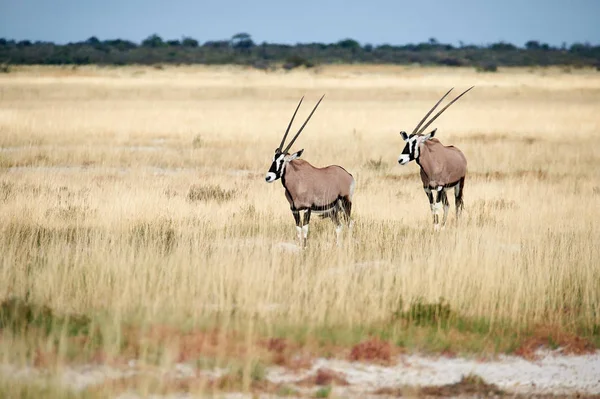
[
  {"x": 458, "y": 197},
  {"x": 431, "y": 204},
  {"x": 437, "y": 207},
  {"x": 335, "y": 217},
  {"x": 305, "y": 226},
  {"x": 296, "y": 214},
  {"x": 445, "y": 203}
]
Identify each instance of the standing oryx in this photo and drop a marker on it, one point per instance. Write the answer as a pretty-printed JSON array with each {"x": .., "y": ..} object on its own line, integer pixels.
[
  {"x": 326, "y": 191},
  {"x": 442, "y": 167}
]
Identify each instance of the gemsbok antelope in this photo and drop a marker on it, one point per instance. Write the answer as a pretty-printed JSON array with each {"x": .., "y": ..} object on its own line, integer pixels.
[
  {"x": 442, "y": 167},
  {"x": 325, "y": 191}
]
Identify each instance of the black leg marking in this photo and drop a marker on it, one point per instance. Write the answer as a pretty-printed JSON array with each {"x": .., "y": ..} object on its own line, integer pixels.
[
  {"x": 306, "y": 217},
  {"x": 296, "y": 214},
  {"x": 431, "y": 205},
  {"x": 445, "y": 203},
  {"x": 429, "y": 195}
]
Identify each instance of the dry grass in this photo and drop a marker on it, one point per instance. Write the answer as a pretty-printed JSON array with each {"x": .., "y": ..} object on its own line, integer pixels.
[{"x": 136, "y": 197}]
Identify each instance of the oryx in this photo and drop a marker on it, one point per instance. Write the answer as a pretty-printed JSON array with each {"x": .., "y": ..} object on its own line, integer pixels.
[
  {"x": 442, "y": 167},
  {"x": 326, "y": 191}
]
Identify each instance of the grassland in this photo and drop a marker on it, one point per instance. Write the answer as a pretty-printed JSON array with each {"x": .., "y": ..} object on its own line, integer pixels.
[{"x": 135, "y": 222}]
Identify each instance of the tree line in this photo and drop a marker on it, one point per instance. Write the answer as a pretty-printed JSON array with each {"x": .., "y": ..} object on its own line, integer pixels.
[{"x": 241, "y": 49}]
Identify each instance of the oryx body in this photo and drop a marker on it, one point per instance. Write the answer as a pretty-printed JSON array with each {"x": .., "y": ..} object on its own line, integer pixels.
[
  {"x": 325, "y": 191},
  {"x": 442, "y": 167}
]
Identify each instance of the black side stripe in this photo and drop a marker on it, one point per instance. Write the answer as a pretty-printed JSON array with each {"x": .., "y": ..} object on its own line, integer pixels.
[{"x": 324, "y": 207}]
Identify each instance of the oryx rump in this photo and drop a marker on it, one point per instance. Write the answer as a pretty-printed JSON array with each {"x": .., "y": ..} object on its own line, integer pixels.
[
  {"x": 442, "y": 167},
  {"x": 326, "y": 191}
]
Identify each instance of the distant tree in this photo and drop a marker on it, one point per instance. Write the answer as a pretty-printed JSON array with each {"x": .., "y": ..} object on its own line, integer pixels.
[
  {"x": 349, "y": 44},
  {"x": 174, "y": 43},
  {"x": 532, "y": 45},
  {"x": 120, "y": 44},
  {"x": 503, "y": 46},
  {"x": 92, "y": 41},
  {"x": 242, "y": 41},
  {"x": 153, "y": 41},
  {"x": 189, "y": 42},
  {"x": 368, "y": 48}
]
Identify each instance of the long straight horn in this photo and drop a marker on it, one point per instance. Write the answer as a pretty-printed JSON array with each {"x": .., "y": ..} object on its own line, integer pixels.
[
  {"x": 431, "y": 110},
  {"x": 302, "y": 127},
  {"x": 290, "y": 125},
  {"x": 443, "y": 109}
]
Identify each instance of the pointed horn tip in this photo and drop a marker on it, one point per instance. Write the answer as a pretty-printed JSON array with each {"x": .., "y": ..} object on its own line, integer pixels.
[{"x": 303, "y": 125}]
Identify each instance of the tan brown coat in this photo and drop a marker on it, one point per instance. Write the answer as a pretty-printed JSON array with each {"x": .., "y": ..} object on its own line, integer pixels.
[
  {"x": 440, "y": 165},
  {"x": 307, "y": 187}
]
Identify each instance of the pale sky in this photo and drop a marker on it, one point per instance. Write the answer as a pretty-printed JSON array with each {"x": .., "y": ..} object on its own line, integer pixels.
[{"x": 279, "y": 21}]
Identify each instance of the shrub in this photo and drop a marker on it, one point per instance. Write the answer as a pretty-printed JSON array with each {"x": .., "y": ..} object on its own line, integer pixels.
[
  {"x": 488, "y": 67},
  {"x": 197, "y": 142}
]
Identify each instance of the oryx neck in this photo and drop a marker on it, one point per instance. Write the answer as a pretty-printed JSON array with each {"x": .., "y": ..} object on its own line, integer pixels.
[{"x": 422, "y": 158}]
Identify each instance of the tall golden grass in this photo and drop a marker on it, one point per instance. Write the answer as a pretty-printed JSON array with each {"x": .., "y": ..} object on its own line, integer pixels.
[{"x": 137, "y": 195}]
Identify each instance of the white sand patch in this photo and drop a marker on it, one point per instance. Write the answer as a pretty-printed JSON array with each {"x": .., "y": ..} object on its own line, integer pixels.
[{"x": 552, "y": 373}]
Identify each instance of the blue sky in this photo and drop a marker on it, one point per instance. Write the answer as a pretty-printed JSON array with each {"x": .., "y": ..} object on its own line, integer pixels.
[{"x": 280, "y": 21}]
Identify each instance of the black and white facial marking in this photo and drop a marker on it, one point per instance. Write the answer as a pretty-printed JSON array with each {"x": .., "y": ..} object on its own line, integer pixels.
[
  {"x": 411, "y": 149},
  {"x": 277, "y": 168}
]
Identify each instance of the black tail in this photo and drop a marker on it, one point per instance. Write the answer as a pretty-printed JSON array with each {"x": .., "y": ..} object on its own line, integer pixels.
[{"x": 459, "y": 196}]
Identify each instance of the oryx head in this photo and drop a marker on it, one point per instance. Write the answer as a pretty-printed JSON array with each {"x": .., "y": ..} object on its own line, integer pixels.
[
  {"x": 282, "y": 157},
  {"x": 413, "y": 141}
]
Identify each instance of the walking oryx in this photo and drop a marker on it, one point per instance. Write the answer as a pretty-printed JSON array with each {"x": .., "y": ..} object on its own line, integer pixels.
[
  {"x": 326, "y": 191},
  {"x": 442, "y": 167}
]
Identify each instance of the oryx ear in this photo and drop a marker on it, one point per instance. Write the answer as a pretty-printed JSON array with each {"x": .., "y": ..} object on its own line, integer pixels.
[
  {"x": 404, "y": 135},
  {"x": 429, "y": 135},
  {"x": 295, "y": 155}
]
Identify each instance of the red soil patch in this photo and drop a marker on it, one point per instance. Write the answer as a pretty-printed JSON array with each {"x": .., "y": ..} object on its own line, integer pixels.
[
  {"x": 373, "y": 350},
  {"x": 43, "y": 358},
  {"x": 324, "y": 377},
  {"x": 547, "y": 337},
  {"x": 468, "y": 386},
  {"x": 185, "y": 346},
  {"x": 287, "y": 354}
]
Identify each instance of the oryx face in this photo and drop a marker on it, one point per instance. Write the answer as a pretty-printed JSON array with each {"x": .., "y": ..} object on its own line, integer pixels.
[
  {"x": 276, "y": 169},
  {"x": 411, "y": 149},
  {"x": 280, "y": 160}
]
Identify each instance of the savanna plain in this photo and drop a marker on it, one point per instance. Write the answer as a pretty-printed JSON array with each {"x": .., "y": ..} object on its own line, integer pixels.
[{"x": 136, "y": 226}]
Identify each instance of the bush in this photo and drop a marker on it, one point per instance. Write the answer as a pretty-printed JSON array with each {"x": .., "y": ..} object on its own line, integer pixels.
[{"x": 488, "y": 67}]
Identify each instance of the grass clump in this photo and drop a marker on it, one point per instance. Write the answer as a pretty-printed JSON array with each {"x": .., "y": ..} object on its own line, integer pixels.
[
  {"x": 210, "y": 193},
  {"x": 323, "y": 392},
  {"x": 198, "y": 141},
  {"x": 19, "y": 316},
  {"x": 376, "y": 165},
  {"x": 421, "y": 313}
]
